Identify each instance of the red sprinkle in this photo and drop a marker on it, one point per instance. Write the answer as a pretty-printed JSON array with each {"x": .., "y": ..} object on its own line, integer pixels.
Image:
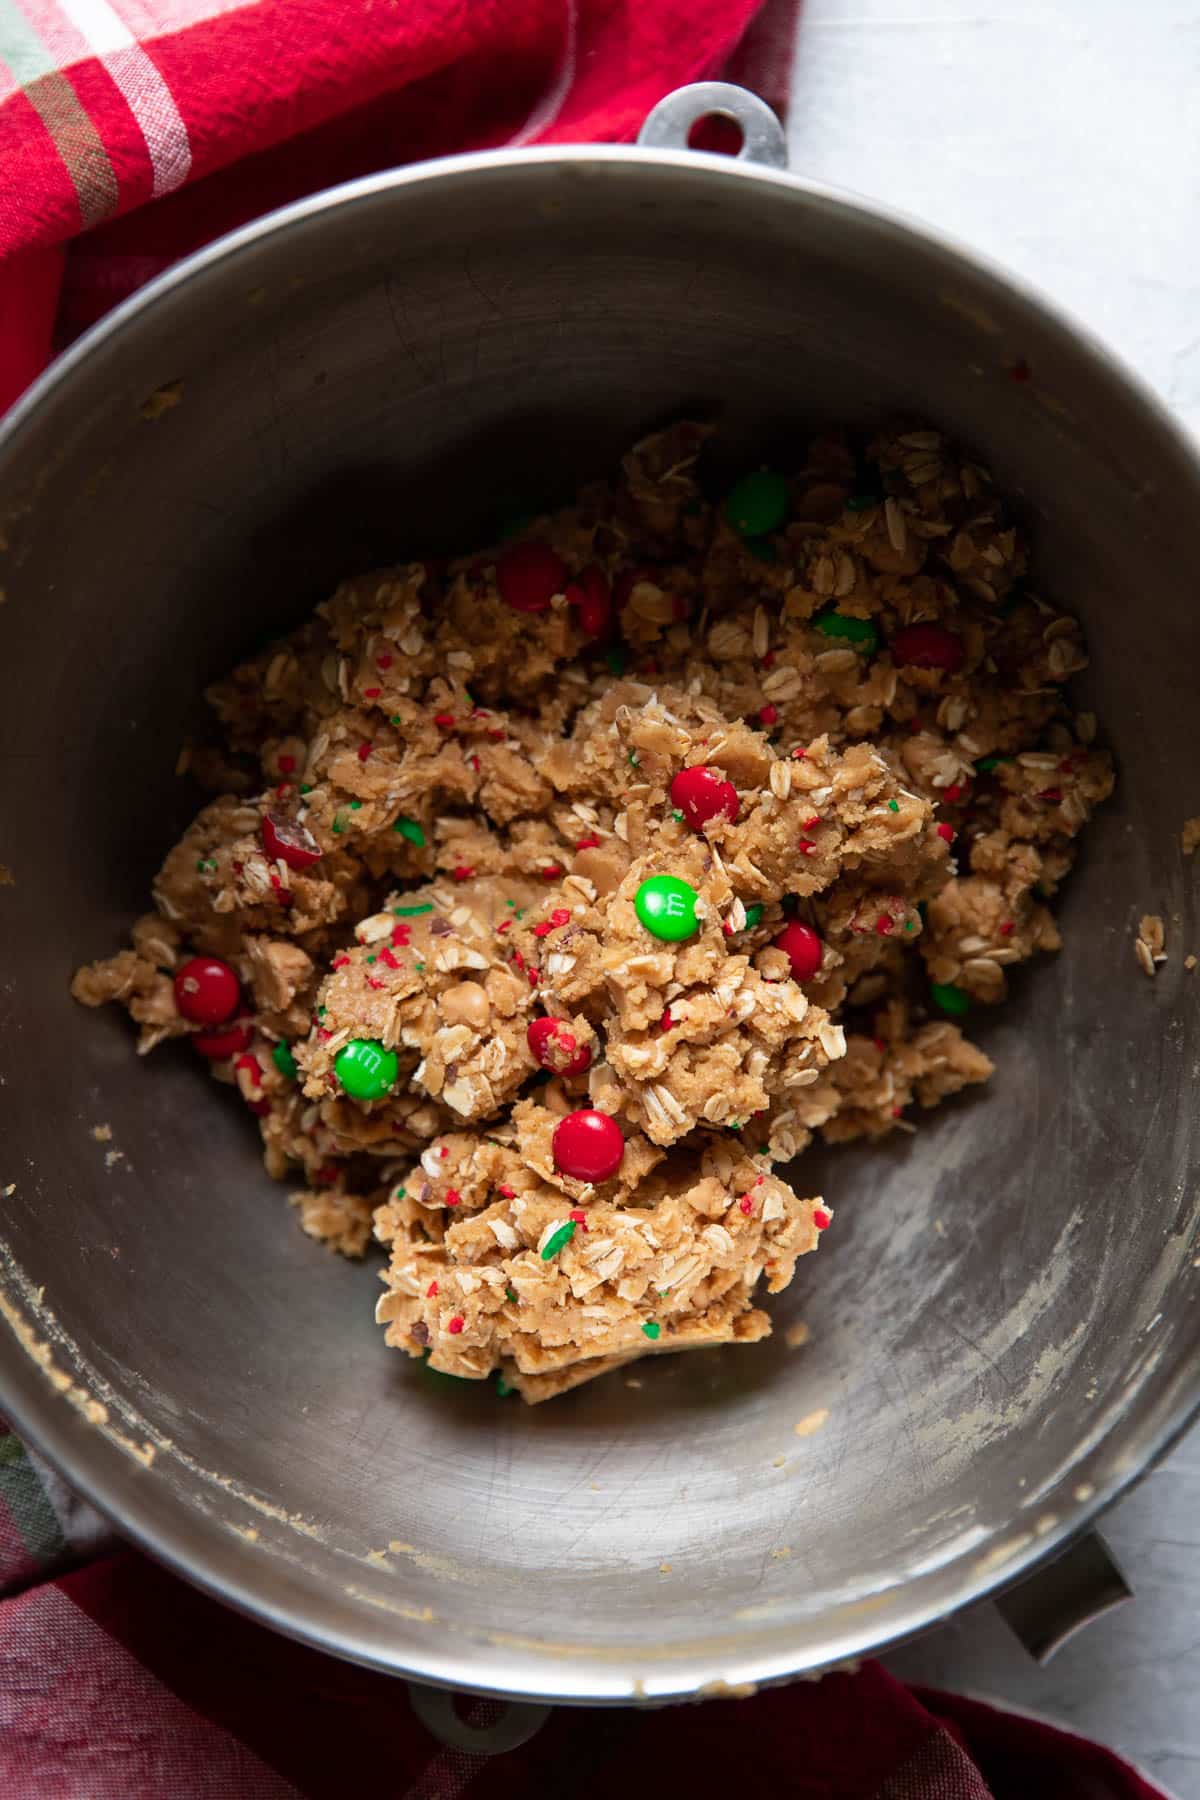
[
  {"x": 1020, "y": 371},
  {"x": 445, "y": 720},
  {"x": 533, "y": 975},
  {"x": 809, "y": 823},
  {"x": 1054, "y": 794},
  {"x": 560, "y": 916},
  {"x": 443, "y": 1152},
  {"x": 579, "y": 1218},
  {"x": 372, "y": 693},
  {"x": 1006, "y": 930},
  {"x": 388, "y": 960},
  {"x": 953, "y": 793},
  {"x": 505, "y": 925},
  {"x": 799, "y": 753},
  {"x": 807, "y": 847},
  {"x": 462, "y": 872},
  {"x": 508, "y": 1192},
  {"x": 364, "y": 750},
  {"x": 518, "y": 959},
  {"x": 385, "y": 661},
  {"x": 879, "y": 1045},
  {"x": 768, "y": 661},
  {"x": 340, "y": 962},
  {"x": 666, "y": 1023},
  {"x": 250, "y": 1063},
  {"x": 746, "y": 1203},
  {"x": 897, "y": 1112},
  {"x": 946, "y": 833},
  {"x": 474, "y": 762},
  {"x": 455, "y": 1326},
  {"x": 372, "y": 983},
  {"x": 327, "y": 1174},
  {"x": 453, "y": 1197},
  {"x": 286, "y": 764},
  {"x": 588, "y": 843},
  {"x": 821, "y": 1219},
  {"x": 431, "y": 1290},
  {"x": 402, "y": 936},
  {"x": 768, "y": 715},
  {"x": 885, "y": 923},
  {"x": 551, "y": 872},
  {"x": 259, "y": 1107}
]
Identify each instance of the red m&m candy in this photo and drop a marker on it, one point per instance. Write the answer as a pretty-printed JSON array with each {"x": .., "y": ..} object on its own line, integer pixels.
[
  {"x": 529, "y": 575},
  {"x": 555, "y": 1047},
  {"x": 217, "y": 1045},
  {"x": 928, "y": 647},
  {"x": 700, "y": 796},
  {"x": 591, "y": 598},
  {"x": 588, "y": 1146},
  {"x": 206, "y": 990},
  {"x": 289, "y": 841},
  {"x": 803, "y": 949}
]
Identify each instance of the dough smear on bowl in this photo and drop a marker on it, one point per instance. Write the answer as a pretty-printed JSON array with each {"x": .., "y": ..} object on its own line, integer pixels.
[{"x": 577, "y": 883}]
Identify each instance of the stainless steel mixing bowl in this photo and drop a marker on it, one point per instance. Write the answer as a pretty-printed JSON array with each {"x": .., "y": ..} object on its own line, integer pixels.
[{"x": 1003, "y": 1322}]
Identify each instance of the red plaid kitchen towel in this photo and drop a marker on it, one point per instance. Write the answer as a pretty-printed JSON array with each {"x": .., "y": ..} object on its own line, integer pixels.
[
  {"x": 132, "y": 131},
  {"x": 118, "y": 1682}
]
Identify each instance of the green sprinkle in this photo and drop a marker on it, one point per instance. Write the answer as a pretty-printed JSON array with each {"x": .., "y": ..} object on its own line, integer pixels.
[
  {"x": 735, "y": 1124},
  {"x": 395, "y": 719},
  {"x": 652, "y": 1330},
  {"x": 321, "y": 1011},
  {"x": 908, "y": 924},
  {"x": 861, "y": 633},
  {"x": 633, "y": 759},
  {"x": 411, "y": 912},
  {"x": 986, "y": 764},
  {"x": 950, "y": 999},
  {"x": 677, "y": 816},
  {"x": 504, "y": 1388},
  {"x": 758, "y": 503},
  {"x": 616, "y": 661},
  {"x": 306, "y": 787},
  {"x": 893, "y": 806},
  {"x": 339, "y": 824},
  {"x": 400, "y": 1194},
  {"x": 205, "y": 866},
  {"x": 753, "y": 915},
  {"x": 520, "y": 912},
  {"x": 509, "y": 1294},
  {"x": 408, "y": 828},
  {"x": 370, "y": 959},
  {"x": 559, "y": 1241},
  {"x": 356, "y": 806},
  {"x": 420, "y": 968},
  {"x": 510, "y": 903},
  {"x": 663, "y": 1292},
  {"x": 284, "y": 1061}
]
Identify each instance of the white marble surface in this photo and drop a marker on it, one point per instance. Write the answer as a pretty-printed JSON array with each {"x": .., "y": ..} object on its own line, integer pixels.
[{"x": 1063, "y": 138}]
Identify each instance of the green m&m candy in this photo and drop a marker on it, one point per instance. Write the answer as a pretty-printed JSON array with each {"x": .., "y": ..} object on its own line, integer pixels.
[
  {"x": 365, "y": 1069},
  {"x": 949, "y": 998},
  {"x": 758, "y": 503},
  {"x": 283, "y": 1059},
  {"x": 666, "y": 906},
  {"x": 859, "y": 632},
  {"x": 408, "y": 828}
]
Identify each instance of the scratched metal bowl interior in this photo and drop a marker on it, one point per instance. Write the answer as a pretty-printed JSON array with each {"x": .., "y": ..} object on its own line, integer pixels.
[{"x": 1003, "y": 1325}]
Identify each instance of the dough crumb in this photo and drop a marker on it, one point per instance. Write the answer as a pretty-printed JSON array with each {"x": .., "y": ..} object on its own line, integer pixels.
[
  {"x": 797, "y": 1334},
  {"x": 113, "y": 1157},
  {"x": 102, "y": 1134},
  {"x": 811, "y": 1422},
  {"x": 162, "y": 400},
  {"x": 1189, "y": 962},
  {"x": 665, "y": 1568},
  {"x": 1149, "y": 943},
  {"x": 7, "y": 878},
  {"x": 1190, "y": 836}
]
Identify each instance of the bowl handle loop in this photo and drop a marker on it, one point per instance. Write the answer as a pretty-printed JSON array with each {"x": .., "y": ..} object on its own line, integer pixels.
[
  {"x": 1062, "y": 1596},
  {"x": 668, "y": 124},
  {"x": 517, "y": 1723}
]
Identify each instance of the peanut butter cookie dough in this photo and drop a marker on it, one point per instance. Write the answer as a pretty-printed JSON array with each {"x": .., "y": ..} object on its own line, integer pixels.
[{"x": 579, "y": 882}]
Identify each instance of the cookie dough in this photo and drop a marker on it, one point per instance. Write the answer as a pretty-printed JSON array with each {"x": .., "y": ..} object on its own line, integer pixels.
[{"x": 567, "y": 889}]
